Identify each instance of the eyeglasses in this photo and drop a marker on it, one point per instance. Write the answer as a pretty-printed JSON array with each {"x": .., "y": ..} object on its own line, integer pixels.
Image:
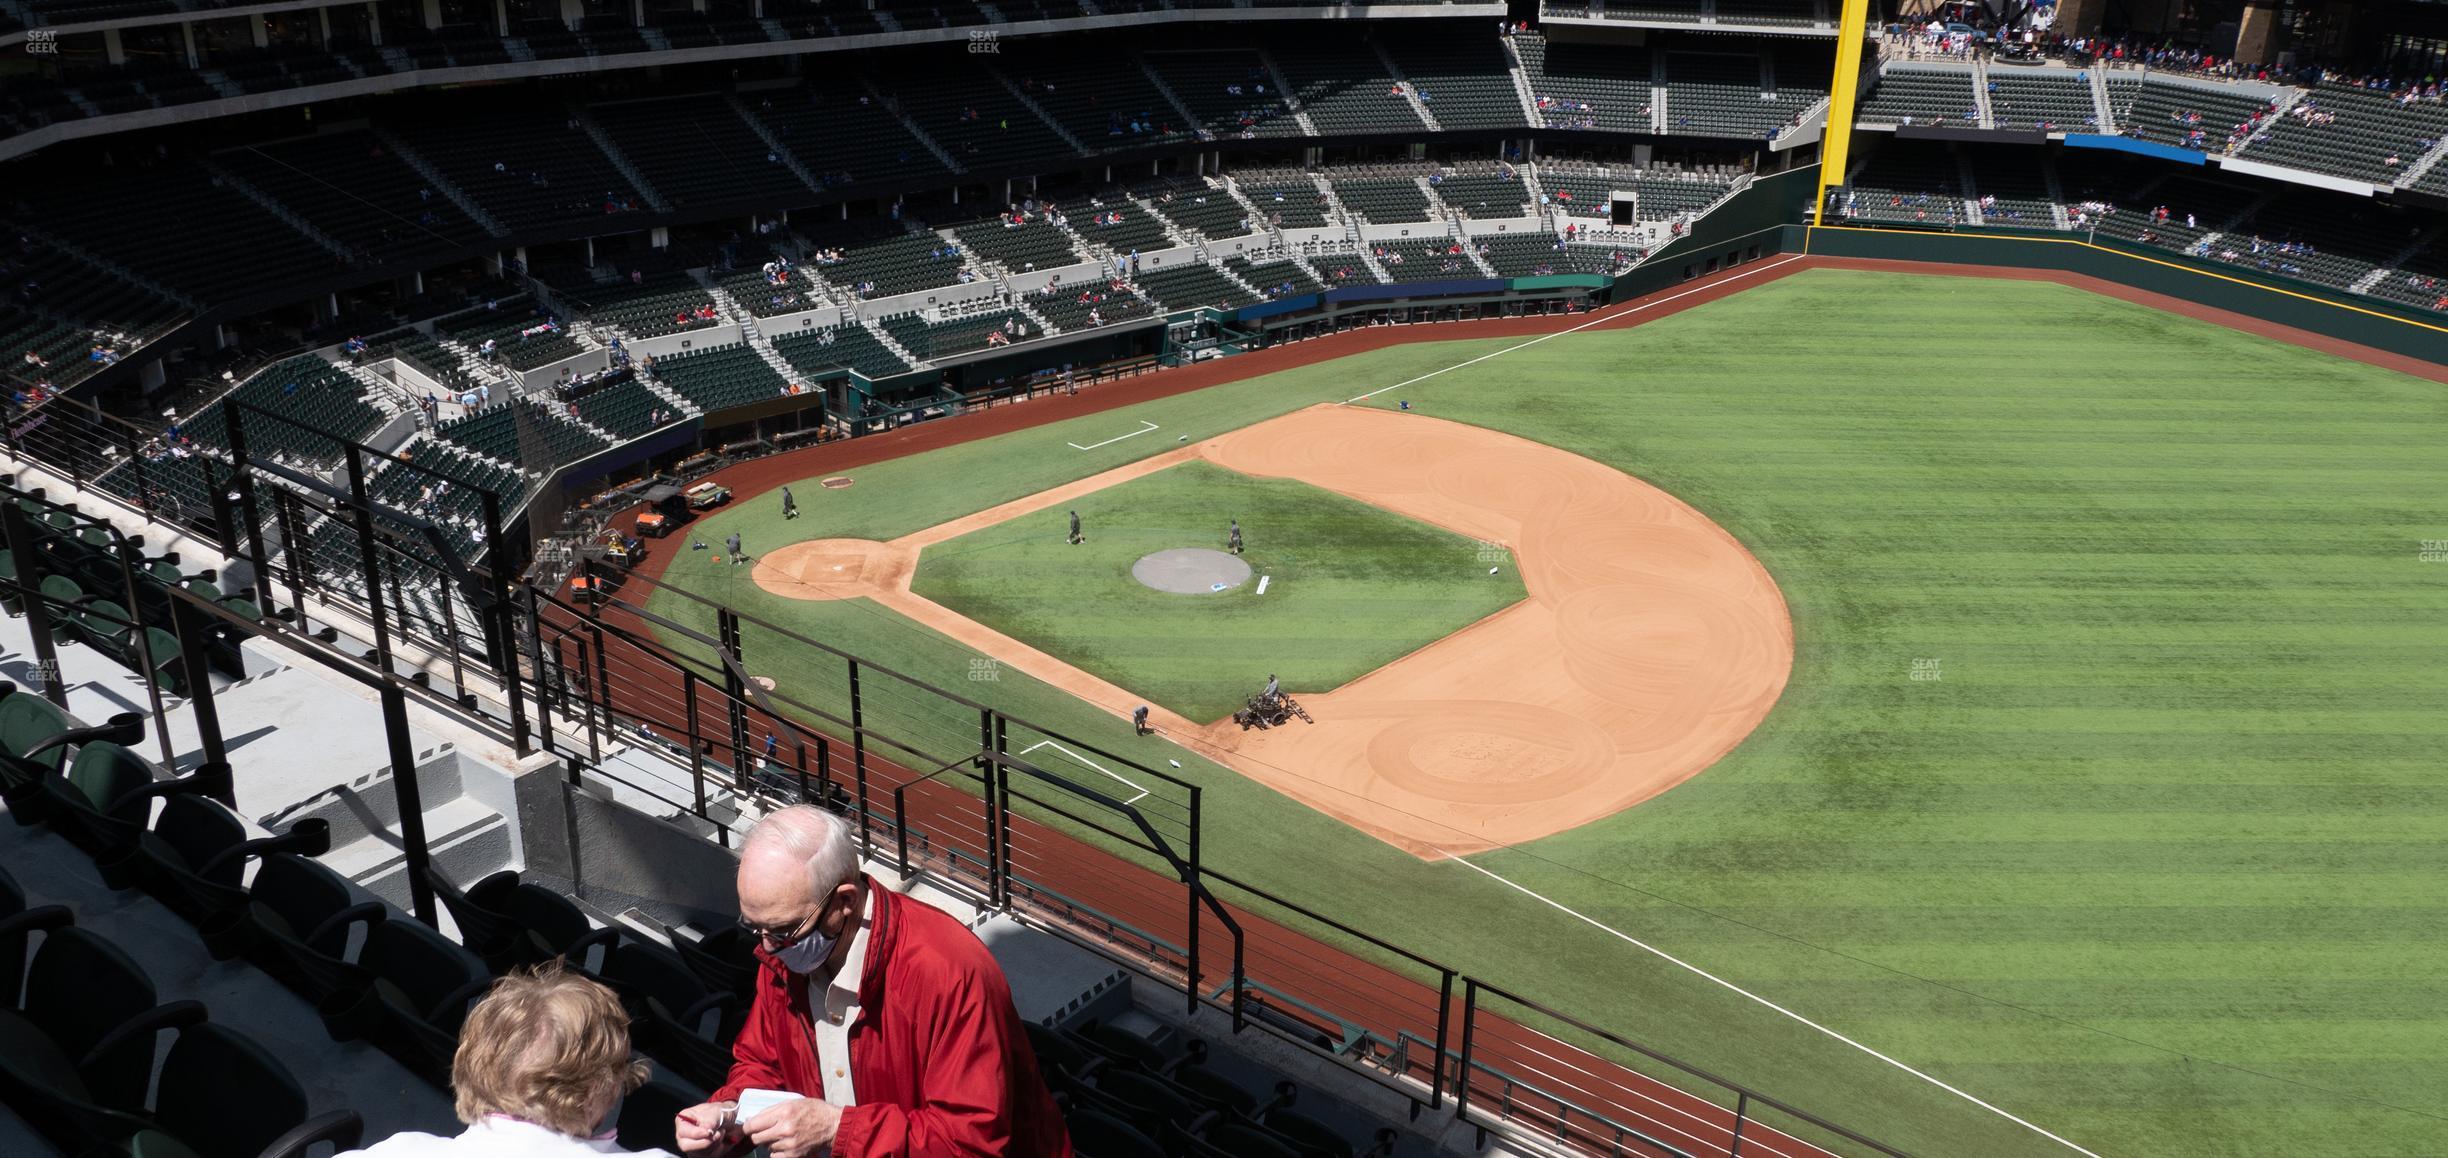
[{"x": 776, "y": 940}]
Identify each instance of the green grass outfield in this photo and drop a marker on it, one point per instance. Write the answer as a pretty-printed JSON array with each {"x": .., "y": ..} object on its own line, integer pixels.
[
  {"x": 2159, "y": 862},
  {"x": 1354, "y": 587}
]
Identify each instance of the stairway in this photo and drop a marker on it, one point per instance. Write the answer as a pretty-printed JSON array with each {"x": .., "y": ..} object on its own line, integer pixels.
[
  {"x": 1521, "y": 84},
  {"x": 2103, "y": 108},
  {"x": 894, "y": 107},
  {"x": 467, "y": 838},
  {"x": 1235, "y": 278},
  {"x": 2261, "y": 130},
  {"x": 750, "y": 332},
  {"x": 1030, "y": 103},
  {"x": 275, "y": 208},
  {"x": 2423, "y": 164},
  {"x": 890, "y": 343},
  {"x": 646, "y": 377},
  {"x": 434, "y": 177},
  {"x": 1028, "y": 311},
  {"x": 1174, "y": 99},
  {"x": 518, "y": 48},
  {"x": 1980, "y": 93},
  {"x": 1291, "y": 100},
  {"x": 774, "y": 143},
  {"x": 1410, "y": 91},
  {"x": 1657, "y": 92},
  {"x": 620, "y": 160}
]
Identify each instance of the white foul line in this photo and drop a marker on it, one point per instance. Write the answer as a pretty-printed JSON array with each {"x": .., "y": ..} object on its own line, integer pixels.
[
  {"x": 1084, "y": 760},
  {"x": 1144, "y": 428},
  {"x": 1686, "y": 965},
  {"x": 1602, "y": 318}
]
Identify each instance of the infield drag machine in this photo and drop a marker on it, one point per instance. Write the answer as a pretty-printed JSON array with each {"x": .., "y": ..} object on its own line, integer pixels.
[{"x": 1264, "y": 711}]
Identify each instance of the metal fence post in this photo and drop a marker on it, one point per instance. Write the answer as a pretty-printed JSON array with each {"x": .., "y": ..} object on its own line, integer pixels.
[
  {"x": 1436, "y": 1079},
  {"x": 363, "y": 508},
  {"x": 1742, "y": 1112},
  {"x": 688, "y": 697},
  {"x": 1470, "y": 1025},
  {"x": 858, "y": 756},
  {"x": 411, "y": 805},
  {"x": 535, "y": 653},
  {"x": 191, "y": 643},
  {"x": 993, "y": 771}
]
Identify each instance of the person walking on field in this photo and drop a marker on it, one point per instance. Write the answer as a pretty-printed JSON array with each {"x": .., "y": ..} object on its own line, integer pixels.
[
  {"x": 1076, "y": 537},
  {"x": 1236, "y": 536},
  {"x": 790, "y": 506},
  {"x": 732, "y": 545}
]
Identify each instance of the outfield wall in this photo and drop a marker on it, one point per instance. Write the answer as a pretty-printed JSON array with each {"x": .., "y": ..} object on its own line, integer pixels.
[{"x": 2330, "y": 313}]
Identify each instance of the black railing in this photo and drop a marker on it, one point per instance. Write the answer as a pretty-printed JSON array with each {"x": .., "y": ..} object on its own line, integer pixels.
[{"x": 969, "y": 801}]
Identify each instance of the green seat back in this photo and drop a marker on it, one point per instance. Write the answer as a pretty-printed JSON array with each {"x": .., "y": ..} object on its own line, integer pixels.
[{"x": 27, "y": 720}]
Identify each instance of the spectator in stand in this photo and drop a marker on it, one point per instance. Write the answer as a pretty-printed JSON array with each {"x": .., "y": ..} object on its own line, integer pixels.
[
  {"x": 542, "y": 1065},
  {"x": 885, "y": 1013}
]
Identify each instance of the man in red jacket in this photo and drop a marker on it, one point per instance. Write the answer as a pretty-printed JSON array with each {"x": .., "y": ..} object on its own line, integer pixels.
[{"x": 884, "y": 1012}]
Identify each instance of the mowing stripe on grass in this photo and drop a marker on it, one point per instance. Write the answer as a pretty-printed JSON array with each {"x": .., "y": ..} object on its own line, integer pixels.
[
  {"x": 1602, "y": 318},
  {"x": 1687, "y": 966}
]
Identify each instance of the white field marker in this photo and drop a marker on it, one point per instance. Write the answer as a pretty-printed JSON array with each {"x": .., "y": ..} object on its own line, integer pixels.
[
  {"x": 1089, "y": 763},
  {"x": 1262, "y": 582},
  {"x": 1144, "y": 427}
]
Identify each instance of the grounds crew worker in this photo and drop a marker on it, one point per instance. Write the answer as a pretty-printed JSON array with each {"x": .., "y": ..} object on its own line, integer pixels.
[
  {"x": 1076, "y": 537},
  {"x": 1236, "y": 536}
]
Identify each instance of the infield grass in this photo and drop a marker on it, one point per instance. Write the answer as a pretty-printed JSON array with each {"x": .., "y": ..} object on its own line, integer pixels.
[
  {"x": 1352, "y": 587},
  {"x": 2159, "y": 859}
]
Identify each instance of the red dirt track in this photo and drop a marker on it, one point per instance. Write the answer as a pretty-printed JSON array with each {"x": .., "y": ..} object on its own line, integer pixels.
[{"x": 1288, "y": 960}]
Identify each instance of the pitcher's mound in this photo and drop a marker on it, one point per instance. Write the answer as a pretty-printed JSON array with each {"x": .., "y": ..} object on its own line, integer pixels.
[
  {"x": 834, "y": 569},
  {"x": 1191, "y": 571}
]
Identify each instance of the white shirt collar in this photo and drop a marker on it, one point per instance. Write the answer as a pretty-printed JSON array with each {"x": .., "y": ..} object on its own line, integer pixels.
[{"x": 842, "y": 989}]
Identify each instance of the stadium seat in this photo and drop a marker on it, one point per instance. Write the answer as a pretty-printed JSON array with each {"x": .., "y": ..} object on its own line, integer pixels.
[
  {"x": 678, "y": 1020},
  {"x": 509, "y": 923},
  {"x": 36, "y": 737},
  {"x": 193, "y": 859},
  {"x": 83, "y": 1030},
  {"x": 297, "y": 923},
  {"x": 725, "y": 960},
  {"x": 208, "y": 1071},
  {"x": 101, "y": 804}
]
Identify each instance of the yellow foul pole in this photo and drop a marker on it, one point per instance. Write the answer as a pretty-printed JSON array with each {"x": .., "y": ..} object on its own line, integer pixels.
[{"x": 1837, "y": 140}]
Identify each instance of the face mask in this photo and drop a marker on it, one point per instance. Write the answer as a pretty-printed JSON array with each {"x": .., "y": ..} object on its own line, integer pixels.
[{"x": 809, "y": 953}]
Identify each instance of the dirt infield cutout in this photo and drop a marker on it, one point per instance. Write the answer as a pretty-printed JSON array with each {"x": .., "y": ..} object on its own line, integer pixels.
[{"x": 1651, "y": 644}]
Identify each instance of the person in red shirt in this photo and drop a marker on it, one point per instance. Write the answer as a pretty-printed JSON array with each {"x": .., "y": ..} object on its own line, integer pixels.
[{"x": 936, "y": 1063}]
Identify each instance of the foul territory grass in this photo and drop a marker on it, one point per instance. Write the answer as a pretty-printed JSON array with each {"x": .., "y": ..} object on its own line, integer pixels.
[
  {"x": 1351, "y": 587},
  {"x": 2151, "y": 855}
]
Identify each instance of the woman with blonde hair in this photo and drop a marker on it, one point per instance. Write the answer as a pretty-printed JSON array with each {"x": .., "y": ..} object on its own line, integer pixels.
[{"x": 543, "y": 1064}]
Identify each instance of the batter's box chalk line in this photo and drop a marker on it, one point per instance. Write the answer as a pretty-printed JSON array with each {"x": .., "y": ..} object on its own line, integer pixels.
[
  {"x": 1088, "y": 763},
  {"x": 1144, "y": 427}
]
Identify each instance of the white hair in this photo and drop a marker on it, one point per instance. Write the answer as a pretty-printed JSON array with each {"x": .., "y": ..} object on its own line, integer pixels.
[{"x": 817, "y": 838}]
